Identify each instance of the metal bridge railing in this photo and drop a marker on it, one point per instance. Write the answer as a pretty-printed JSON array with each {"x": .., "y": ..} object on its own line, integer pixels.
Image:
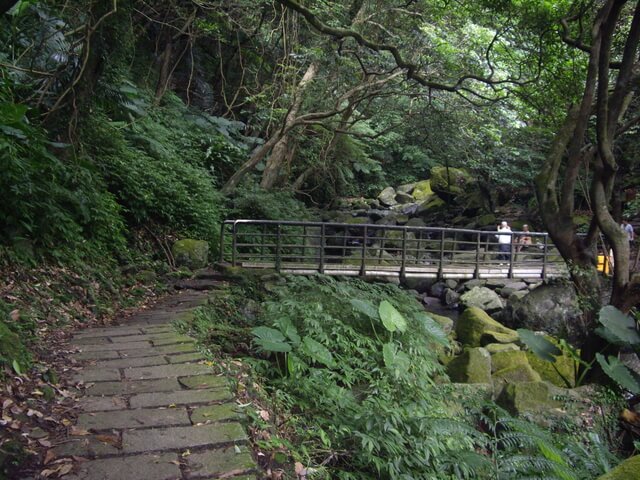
[{"x": 370, "y": 249}]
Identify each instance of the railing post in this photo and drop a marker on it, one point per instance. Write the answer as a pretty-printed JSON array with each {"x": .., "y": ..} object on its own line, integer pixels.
[
  {"x": 510, "y": 274},
  {"x": 234, "y": 243},
  {"x": 278, "y": 246},
  {"x": 322, "y": 242},
  {"x": 304, "y": 243},
  {"x": 403, "y": 264},
  {"x": 543, "y": 273},
  {"x": 262, "y": 239},
  {"x": 441, "y": 254},
  {"x": 363, "y": 265},
  {"x": 222, "y": 242},
  {"x": 476, "y": 273},
  {"x": 418, "y": 245}
]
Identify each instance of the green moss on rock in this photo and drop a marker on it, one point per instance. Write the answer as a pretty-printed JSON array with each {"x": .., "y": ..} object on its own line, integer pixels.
[
  {"x": 507, "y": 359},
  {"x": 445, "y": 322},
  {"x": 517, "y": 373},
  {"x": 501, "y": 347},
  {"x": 449, "y": 181},
  {"x": 527, "y": 397},
  {"x": 475, "y": 328},
  {"x": 564, "y": 368},
  {"x": 422, "y": 190},
  {"x": 431, "y": 205},
  {"x": 472, "y": 366},
  {"x": 627, "y": 470},
  {"x": 191, "y": 253}
]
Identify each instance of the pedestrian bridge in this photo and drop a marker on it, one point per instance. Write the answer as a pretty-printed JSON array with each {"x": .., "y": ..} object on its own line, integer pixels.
[{"x": 361, "y": 249}]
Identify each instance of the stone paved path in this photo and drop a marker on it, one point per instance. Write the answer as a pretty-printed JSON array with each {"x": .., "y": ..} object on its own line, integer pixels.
[{"x": 152, "y": 411}]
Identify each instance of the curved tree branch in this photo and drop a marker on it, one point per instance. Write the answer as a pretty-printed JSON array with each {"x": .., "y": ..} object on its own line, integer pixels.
[{"x": 411, "y": 69}]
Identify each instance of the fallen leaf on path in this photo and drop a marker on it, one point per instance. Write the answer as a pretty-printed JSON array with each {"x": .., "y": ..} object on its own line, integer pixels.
[
  {"x": 110, "y": 439},
  {"x": 49, "y": 456}
]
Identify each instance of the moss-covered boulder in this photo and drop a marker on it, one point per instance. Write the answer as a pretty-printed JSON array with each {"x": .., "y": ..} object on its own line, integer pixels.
[
  {"x": 508, "y": 358},
  {"x": 416, "y": 222},
  {"x": 476, "y": 328},
  {"x": 445, "y": 322},
  {"x": 404, "y": 198},
  {"x": 561, "y": 373},
  {"x": 406, "y": 188},
  {"x": 517, "y": 373},
  {"x": 357, "y": 221},
  {"x": 501, "y": 347},
  {"x": 627, "y": 470},
  {"x": 483, "y": 298},
  {"x": 472, "y": 366},
  {"x": 191, "y": 253},
  {"x": 430, "y": 205},
  {"x": 393, "y": 239},
  {"x": 387, "y": 197},
  {"x": 527, "y": 397},
  {"x": 422, "y": 190},
  {"x": 449, "y": 181}
]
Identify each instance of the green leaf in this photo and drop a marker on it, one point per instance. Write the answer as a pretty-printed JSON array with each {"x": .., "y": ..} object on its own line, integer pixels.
[
  {"x": 433, "y": 329},
  {"x": 271, "y": 346},
  {"x": 539, "y": 345},
  {"x": 391, "y": 318},
  {"x": 395, "y": 360},
  {"x": 16, "y": 367},
  {"x": 295, "y": 364},
  {"x": 270, "y": 339},
  {"x": 267, "y": 333},
  {"x": 618, "y": 372},
  {"x": 619, "y": 325},
  {"x": 290, "y": 331},
  {"x": 317, "y": 352},
  {"x": 365, "y": 307}
]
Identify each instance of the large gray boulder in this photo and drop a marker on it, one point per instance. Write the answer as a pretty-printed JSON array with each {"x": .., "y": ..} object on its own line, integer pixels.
[
  {"x": 387, "y": 197},
  {"x": 483, "y": 298},
  {"x": 552, "y": 308},
  {"x": 473, "y": 366},
  {"x": 404, "y": 198}
]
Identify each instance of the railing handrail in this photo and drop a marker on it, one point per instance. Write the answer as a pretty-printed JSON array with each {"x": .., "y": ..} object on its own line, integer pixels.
[{"x": 375, "y": 225}]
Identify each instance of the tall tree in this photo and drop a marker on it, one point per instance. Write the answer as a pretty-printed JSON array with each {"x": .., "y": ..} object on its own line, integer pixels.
[{"x": 586, "y": 141}]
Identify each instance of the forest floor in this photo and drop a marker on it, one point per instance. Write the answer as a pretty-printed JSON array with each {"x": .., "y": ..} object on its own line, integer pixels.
[{"x": 151, "y": 407}]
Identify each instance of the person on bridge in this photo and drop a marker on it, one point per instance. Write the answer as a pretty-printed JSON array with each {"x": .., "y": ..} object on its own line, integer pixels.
[
  {"x": 628, "y": 229},
  {"x": 504, "y": 241},
  {"x": 524, "y": 238}
]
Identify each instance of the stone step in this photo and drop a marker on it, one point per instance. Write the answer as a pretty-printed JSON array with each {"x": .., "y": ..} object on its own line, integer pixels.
[
  {"x": 160, "y": 466},
  {"x": 132, "y": 387},
  {"x": 185, "y": 397},
  {"x": 171, "y": 438},
  {"x": 139, "y": 418},
  {"x": 166, "y": 371}
]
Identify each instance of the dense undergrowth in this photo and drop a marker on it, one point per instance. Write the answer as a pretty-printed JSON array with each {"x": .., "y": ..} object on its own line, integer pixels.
[{"x": 345, "y": 391}]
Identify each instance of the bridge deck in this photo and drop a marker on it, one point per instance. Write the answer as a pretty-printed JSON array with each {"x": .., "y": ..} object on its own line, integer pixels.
[{"x": 452, "y": 271}]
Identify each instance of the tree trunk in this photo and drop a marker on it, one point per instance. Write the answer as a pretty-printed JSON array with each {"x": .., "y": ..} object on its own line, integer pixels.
[
  {"x": 556, "y": 183},
  {"x": 290, "y": 121},
  {"x": 165, "y": 68},
  {"x": 276, "y": 160}
]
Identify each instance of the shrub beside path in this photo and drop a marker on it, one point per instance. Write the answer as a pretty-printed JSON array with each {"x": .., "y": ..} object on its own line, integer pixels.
[{"x": 152, "y": 410}]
